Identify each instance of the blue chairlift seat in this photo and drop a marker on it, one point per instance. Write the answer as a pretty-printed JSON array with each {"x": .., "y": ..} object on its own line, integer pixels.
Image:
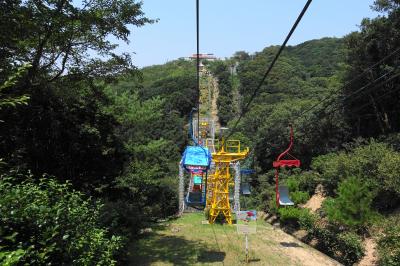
[
  {"x": 194, "y": 198},
  {"x": 247, "y": 171},
  {"x": 245, "y": 188},
  {"x": 284, "y": 198}
]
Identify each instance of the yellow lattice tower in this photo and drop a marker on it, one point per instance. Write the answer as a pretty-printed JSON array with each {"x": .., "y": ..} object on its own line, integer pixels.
[
  {"x": 218, "y": 184},
  {"x": 210, "y": 190}
]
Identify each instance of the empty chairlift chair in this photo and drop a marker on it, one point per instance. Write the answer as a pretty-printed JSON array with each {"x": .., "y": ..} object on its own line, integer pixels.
[
  {"x": 282, "y": 192},
  {"x": 245, "y": 186}
]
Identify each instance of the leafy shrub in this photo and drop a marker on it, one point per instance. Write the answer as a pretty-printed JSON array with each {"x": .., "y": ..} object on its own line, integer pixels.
[
  {"x": 389, "y": 244},
  {"x": 122, "y": 217},
  {"x": 366, "y": 160},
  {"x": 346, "y": 247},
  {"x": 293, "y": 183},
  {"x": 362, "y": 162},
  {"x": 48, "y": 222},
  {"x": 392, "y": 139},
  {"x": 293, "y": 215},
  {"x": 376, "y": 164},
  {"x": 262, "y": 196},
  {"x": 350, "y": 247},
  {"x": 299, "y": 197},
  {"x": 308, "y": 181},
  {"x": 289, "y": 215},
  {"x": 8, "y": 258},
  {"x": 270, "y": 196},
  {"x": 352, "y": 207},
  {"x": 333, "y": 168},
  {"x": 389, "y": 171},
  {"x": 307, "y": 220}
]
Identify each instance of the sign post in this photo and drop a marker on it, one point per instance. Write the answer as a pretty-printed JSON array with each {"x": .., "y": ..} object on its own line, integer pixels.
[
  {"x": 246, "y": 224},
  {"x": 247, "y": 249}
]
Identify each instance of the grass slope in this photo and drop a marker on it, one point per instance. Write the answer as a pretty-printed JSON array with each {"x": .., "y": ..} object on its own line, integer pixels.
[{"x": 186, "y": 241}]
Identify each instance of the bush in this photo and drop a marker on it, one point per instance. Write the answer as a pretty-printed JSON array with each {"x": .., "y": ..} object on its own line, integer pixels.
[
  {"x": 352, "y": 207},
  {"x": 271, "y": 201},
  {"x": 308, "y": 181},
  {"x": 389, "y": 171},
  {"x": 49, "y": 223},
  {"x": 289, "y": 215},
  {"x": 262, "y": 196},
  {"x": 345, "y": 247},
  {"x": 293, "y": 216},
  {"x": 333, "y": 168},
  {"x": 299, "y": 197},
  {"x": 351, "y": 248},
  {"x": 293, "y": 183},
  {"x": 307, "y": 220},
  {"x": 389, "y": 244},
  {"x": 365, "y": 162}
]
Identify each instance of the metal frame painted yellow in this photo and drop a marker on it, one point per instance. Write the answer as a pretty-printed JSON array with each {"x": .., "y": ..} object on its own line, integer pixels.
[{"x": 218, "y": 182}]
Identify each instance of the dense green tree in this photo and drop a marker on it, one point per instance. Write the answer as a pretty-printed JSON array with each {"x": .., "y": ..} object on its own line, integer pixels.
[
  {"x": 374, "y": 110},
  {"x": 7, "y": 100},
  {"x": 57, "y": 35},
  {"x": 352, "y": 207},
  {"x": 63, "y": 130},
  {"x": 47, "y": 222}
]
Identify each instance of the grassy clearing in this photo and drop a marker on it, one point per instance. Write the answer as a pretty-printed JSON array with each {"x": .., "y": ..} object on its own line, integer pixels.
[{"x": 186, "y": 241}]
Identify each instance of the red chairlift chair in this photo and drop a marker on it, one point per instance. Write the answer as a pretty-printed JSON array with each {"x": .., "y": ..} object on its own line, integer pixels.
[{"x": 282, "y": 192}]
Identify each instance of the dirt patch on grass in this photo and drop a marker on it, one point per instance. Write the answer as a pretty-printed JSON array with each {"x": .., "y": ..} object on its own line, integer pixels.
[
  {"x": 370, "y": 258},
  {"x": 315, "y": 202}
]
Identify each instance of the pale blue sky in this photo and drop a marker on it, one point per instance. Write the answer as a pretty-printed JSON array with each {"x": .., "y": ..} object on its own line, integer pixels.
[{"x": 227, "y": 26}]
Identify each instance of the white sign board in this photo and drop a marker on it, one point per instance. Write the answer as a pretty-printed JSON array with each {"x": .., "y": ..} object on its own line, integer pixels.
[{"x": 246, "y": 222}]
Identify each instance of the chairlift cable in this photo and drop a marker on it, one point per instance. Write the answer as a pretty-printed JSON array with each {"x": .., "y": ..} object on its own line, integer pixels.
[
  {"x": 198, "y": 64},
  {"x": 282, "y": 47},
  {"x": 367, "y": 70}
]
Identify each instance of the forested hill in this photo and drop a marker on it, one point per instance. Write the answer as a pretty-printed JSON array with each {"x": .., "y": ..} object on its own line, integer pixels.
[
  {"x": 321, "y": 57},
  {"x": 301, "y": 68}
]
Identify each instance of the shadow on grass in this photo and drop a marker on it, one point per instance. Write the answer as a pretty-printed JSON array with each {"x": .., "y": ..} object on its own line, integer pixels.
[
  {"x": 211, "y": 256},
  {"x": 290, "y": 245},
  {"x": 172, "y": 249}
]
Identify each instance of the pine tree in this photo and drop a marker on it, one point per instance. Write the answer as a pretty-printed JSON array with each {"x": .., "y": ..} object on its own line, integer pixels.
[{"x": 352, "y": 207}]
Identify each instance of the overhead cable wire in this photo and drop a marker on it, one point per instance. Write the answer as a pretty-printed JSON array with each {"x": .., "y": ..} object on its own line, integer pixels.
[
  {"x": 364, "y": 87},
  {"x": 282, "y": 47},
  {"x": 198, "y": 64},
  {"x": 383, "y": 95},
  {"x": 367, "y": 70}
]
